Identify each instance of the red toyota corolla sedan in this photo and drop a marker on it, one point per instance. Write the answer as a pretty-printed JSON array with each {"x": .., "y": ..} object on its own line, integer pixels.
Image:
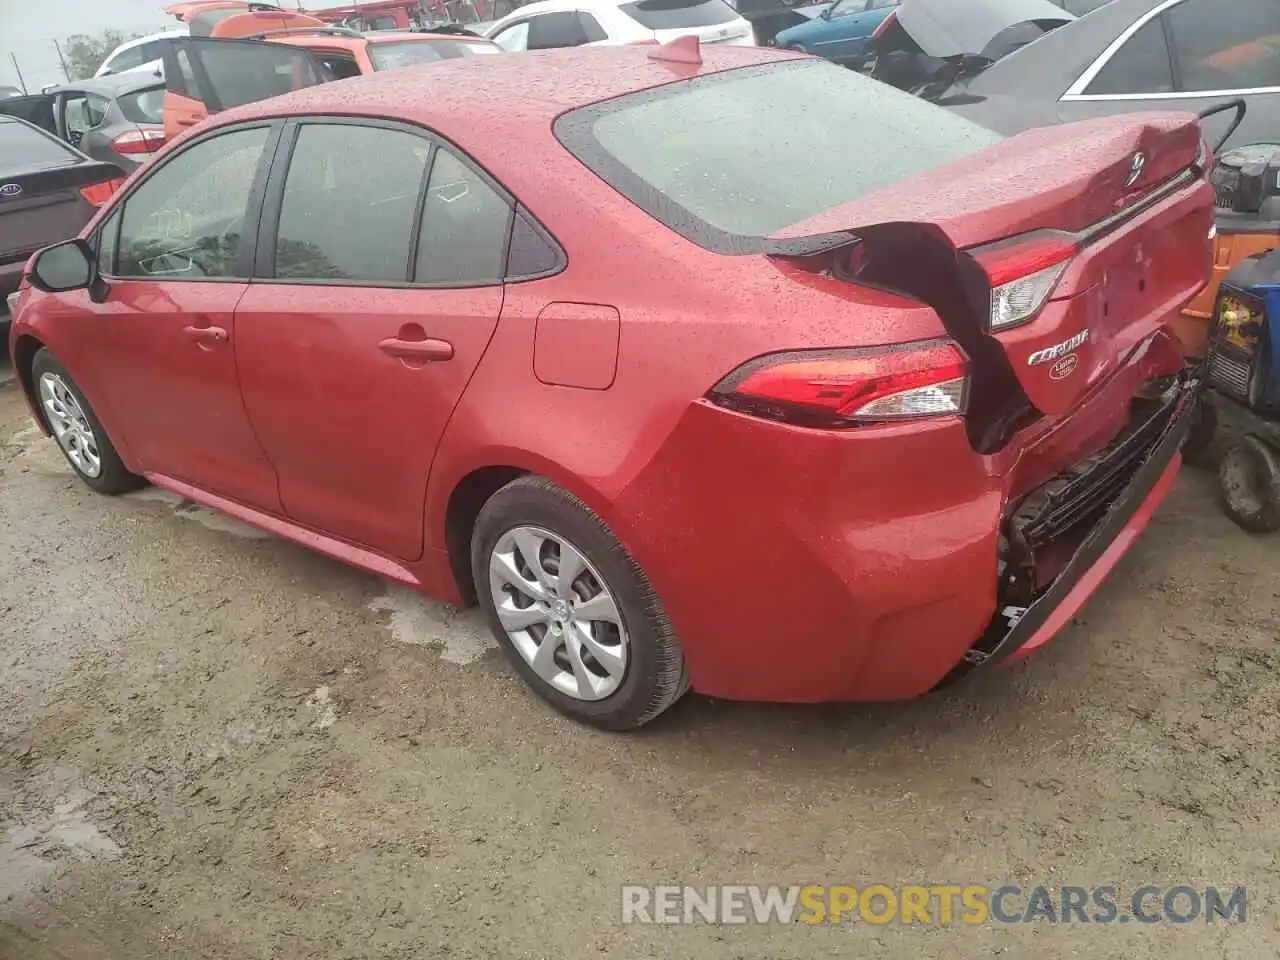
[{"x": 728, "y": 369}]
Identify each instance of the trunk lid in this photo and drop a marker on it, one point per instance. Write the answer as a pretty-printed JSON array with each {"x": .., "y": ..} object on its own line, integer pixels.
[
  {"x": 1122, "y": 190},
  {"x": 40, "y": 183},
  {"x": 945, "y": 28}
]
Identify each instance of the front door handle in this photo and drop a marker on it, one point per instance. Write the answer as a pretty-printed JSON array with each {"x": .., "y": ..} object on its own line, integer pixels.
[
  {"x": 205, "y": 336},
  {"x": 421, "y": 350}
]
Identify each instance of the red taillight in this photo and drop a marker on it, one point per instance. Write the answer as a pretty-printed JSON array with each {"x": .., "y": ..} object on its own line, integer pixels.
[
  {"x": 844, "y": 387},
  {"x": 99, "y": 193},
  {"x": 139, "y": 141},
  {"x": 1023, "y": 272},
  {"x": 885, "y": 24}
]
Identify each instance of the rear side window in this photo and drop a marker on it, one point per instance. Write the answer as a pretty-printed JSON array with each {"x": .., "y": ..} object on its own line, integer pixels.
[
  {"x": 125, "y": 60},
  {"x": 679, "y": 14},
  {"x": 550, "y": 31},
  {"x": 1141, "y": 66},
  {"x": 514, "y": 38},
  {"x": 145, "y": 106},
  {"x": 731, "y": 157},
  {"x": 21, "y": 146},
  {"x": 465, "y": 224},
  {"x": 1237, "y": 51},
  {"x": 366, "y": 179}
]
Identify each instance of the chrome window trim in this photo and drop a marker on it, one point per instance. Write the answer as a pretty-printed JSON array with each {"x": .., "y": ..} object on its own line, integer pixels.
[{"x": 1076, "y": 90}]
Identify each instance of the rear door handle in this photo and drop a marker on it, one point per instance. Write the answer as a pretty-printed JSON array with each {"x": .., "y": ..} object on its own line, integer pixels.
[
  {"x": 205, "y": 335},
  {"x": 421, "y": 350}
]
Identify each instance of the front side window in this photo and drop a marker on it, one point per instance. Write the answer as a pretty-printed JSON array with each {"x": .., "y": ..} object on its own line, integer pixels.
[
  {"x": 366, "y": 179},
  {"x": 591, "y": 28},
  {"x": 186, "y": 221},
  {"x": 1142, "y": 65},
  {"x": 515, "y": 38},
  {"x": 696, "y": 156},
  {"x": 1236, "y": 48},
  {"x": 842, "y": 8},
  {"x": 107, "y": 235},
  {"x": 679, "y": 14}
]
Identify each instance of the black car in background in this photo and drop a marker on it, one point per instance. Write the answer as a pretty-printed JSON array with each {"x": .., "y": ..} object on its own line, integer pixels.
[
  {"x": 1121, "y": 56},
  {"x": 48, "y": 191},
  {"x": 117, "y": 118}
]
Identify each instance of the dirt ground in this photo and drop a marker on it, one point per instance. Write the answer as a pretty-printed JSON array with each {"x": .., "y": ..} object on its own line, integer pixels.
[{"x": 214, "y": 744}]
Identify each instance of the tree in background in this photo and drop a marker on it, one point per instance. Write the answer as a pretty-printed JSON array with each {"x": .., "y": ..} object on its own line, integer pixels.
[{"x": 84, "y": 54}]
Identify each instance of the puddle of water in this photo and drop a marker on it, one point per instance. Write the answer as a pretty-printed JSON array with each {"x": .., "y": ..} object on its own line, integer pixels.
[
  {"x": 324, "y": 711},
  {"x": 463, "y": 638},
  {"x": 201, "y": 515},
  {"x": 67, "y": 829}
]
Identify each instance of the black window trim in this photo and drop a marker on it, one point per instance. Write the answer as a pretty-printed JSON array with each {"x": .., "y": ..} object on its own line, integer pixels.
[
  {"x": 253, "y": 204},
  {"x": 273, "y": 204}
]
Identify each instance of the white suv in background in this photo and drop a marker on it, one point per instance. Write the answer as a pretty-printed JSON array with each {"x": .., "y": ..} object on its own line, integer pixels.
[
  {"x": 142, "y": 53},
  {"x": 546, "y": 24}
]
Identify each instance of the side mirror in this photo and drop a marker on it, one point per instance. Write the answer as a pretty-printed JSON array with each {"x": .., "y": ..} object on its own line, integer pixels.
[{"x": 70, "y": 265}]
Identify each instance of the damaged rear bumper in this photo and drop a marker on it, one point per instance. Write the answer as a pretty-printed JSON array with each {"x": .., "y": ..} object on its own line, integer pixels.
[{"x": 1123, "y": 509}]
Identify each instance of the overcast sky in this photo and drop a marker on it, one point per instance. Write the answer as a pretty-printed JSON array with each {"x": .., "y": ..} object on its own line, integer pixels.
[{"x": 28, "y": 29}]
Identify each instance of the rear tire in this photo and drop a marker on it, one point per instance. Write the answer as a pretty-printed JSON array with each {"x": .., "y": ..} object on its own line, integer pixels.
[
  {"x": 526, "y": 534},
  {"x": 77, "y": 430},
  {"x": 1249, "y": 482}
]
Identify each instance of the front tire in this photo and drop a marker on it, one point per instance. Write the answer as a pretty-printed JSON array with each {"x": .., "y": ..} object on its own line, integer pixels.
[
  {"x": 77, "y": 430},
  {"x": 1249, "y": 481},
  {"x": 572, "y": 610}
]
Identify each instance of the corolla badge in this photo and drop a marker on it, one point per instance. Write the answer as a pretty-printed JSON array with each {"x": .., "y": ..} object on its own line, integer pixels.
[
  {"x": 10, "y": 190},
  {"x": 1136, "y": 167},
  {"x": 1058, "y": 351}
]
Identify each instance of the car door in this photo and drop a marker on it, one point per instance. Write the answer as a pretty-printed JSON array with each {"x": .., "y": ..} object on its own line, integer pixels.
[
  {"x": 176, "y": 255},
  {"x": 37, "y": 109},
  {"x": 849, "y": 25},
  {"x": 81, "y": 116},
  {"x": 377, "y": 287},
  {"x": 1189, "y": 56},
  {"x": 204, "y": 75}
]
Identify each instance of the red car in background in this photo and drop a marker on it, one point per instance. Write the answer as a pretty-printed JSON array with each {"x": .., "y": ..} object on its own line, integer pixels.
[{"x": 593, "y": 354}]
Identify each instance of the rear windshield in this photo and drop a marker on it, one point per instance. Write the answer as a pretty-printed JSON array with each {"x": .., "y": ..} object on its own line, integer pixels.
[
  {"x": 202, "y": 24},
  {"x": 389, "y": 56},
  {"x": 21, "y": 146},
  {"x": 678, "y": 14},
  {"x": 731, "y": 157},
  {"x": 145, "y": 106}
]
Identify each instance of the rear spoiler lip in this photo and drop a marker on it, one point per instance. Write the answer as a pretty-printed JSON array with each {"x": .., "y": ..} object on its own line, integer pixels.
[{"x": 810, "y": 246}]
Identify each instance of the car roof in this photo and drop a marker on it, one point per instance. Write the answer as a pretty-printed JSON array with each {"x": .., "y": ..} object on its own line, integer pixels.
[
  {"x": 162, "y": 35},
  {"x": 114, "y": 84},
  {"x": 488, "y": 95}
]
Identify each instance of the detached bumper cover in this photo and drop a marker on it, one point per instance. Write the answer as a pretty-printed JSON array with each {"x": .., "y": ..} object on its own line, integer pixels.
[{"x": 1017, "y": 635}]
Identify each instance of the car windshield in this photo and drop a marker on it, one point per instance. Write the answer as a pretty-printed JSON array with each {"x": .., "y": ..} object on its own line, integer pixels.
[
  {"x": 745, "y": 153},
  {"x": 406, "y": 53},
  {"x": 679, "y": 14},
  {"x": 145, "y": 106}
]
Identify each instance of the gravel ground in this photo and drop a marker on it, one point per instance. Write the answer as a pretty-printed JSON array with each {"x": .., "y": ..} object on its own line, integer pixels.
[{"x": 214, "y": 744}]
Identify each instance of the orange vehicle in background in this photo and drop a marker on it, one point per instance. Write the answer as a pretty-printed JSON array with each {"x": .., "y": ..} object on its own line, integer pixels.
[{"x": 204, "y": 75}]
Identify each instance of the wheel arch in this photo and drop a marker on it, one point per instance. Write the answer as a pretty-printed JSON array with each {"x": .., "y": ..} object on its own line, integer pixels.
[
  {"x": 454, "y": 505},
  {"x": 25, "y": 349}
]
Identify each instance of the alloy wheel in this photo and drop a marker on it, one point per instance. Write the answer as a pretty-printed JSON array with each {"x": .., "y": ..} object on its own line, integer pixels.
[
  {"x": 558, "y": 612},
  {"x": 70, "y": 426}
]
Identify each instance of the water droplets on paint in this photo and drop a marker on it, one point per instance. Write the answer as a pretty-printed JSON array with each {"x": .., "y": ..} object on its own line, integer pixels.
[{"x": 463, "y": 637}]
